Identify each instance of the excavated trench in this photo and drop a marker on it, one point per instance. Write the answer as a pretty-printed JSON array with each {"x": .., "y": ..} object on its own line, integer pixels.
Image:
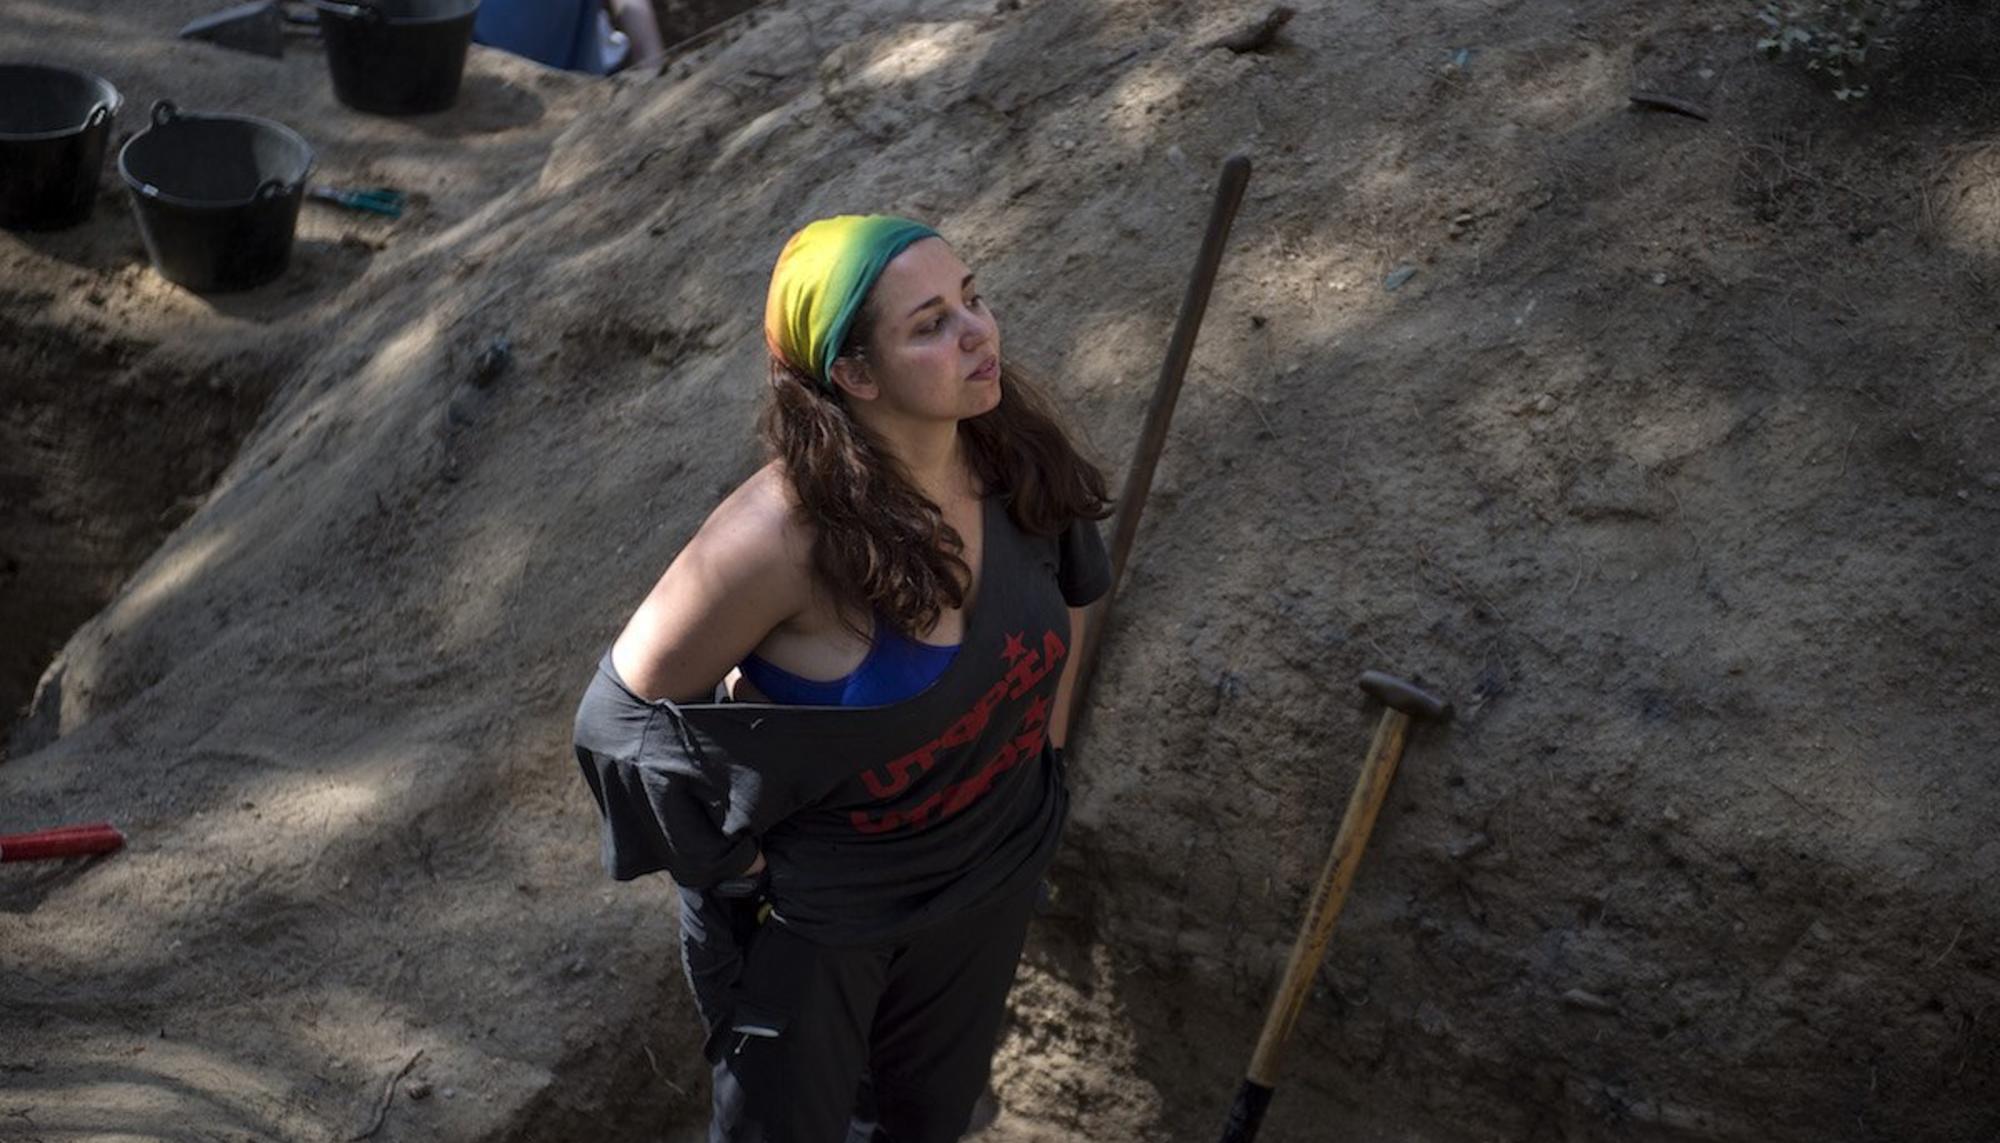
[{"x": 107, "y": 443}]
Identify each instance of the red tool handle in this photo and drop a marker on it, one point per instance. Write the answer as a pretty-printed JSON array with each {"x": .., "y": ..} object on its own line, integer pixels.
[
  {"x": 64, "y": 841},
  {"x": 56, "y": 831}
]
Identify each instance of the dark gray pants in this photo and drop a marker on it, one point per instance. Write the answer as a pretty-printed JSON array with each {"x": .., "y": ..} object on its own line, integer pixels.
[{"x": 796, "y": 1027}]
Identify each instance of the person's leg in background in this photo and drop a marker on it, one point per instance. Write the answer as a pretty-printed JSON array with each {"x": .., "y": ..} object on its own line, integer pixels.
[{"x": 635, "y": 18}]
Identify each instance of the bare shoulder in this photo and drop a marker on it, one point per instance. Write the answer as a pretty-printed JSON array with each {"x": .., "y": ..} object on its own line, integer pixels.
[
  {"x": 745, "y": 573},
  {"x": 756, "y": 529}
]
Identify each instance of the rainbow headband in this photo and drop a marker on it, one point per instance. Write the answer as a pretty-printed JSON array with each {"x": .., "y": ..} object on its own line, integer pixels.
[{"x": 823, "y": 275}]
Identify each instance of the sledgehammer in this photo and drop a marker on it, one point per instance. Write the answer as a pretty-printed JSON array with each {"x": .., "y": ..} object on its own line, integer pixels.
[{"x": 1405, "y": 701}]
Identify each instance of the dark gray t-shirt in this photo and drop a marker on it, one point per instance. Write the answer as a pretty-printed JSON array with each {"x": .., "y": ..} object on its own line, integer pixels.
[{"x": 876, "y": 821}]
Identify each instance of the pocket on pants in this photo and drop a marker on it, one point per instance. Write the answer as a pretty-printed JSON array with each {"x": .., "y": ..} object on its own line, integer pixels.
[
  {"x": 766, "y": 998},
  {"x": 748, "y": 1029}
]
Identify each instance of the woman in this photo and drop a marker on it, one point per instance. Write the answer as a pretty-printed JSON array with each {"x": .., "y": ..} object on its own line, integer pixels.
[{"x": 892, "y": 601}]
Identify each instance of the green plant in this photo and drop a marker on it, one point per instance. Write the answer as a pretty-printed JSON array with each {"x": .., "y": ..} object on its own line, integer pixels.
[{"x": 1833, "y": 37}]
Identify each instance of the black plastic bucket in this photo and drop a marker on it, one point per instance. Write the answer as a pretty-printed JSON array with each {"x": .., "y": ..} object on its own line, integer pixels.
[
  {"x": 396, "y": 57},
  {"x": 54, "y": 125},
  {"x": 217, "y": 196}
]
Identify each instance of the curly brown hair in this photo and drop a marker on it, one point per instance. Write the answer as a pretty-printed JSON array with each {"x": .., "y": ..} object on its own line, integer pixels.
[{"x": 880, "y": 546}]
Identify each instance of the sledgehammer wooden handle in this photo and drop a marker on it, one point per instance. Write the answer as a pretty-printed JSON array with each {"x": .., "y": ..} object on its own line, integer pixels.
[{"x": 1371, "y": 788}]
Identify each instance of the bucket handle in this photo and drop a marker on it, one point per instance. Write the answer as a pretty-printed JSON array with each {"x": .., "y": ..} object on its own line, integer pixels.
[
  {"x": 98, "y": 117},
  {"x": 272, "y": 188},
  {"x": 164, "y": 112}
]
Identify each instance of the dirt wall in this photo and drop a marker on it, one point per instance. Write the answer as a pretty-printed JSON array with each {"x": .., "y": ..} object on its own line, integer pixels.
[{"x": 1669, "y": 464}]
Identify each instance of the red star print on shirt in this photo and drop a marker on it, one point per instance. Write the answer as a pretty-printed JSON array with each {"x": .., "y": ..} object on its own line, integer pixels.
[{"x": 1015, "y": 649}]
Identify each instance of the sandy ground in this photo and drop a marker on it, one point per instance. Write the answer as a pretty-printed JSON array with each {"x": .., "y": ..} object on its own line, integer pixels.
[{"x": 1672, "y": 463}]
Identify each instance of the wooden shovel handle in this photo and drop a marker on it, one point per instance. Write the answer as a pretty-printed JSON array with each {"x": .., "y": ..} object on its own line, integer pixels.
[{"x": 1153, "y": 437}]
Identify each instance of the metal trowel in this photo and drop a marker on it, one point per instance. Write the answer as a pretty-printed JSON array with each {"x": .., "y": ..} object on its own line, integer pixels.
[{"x": 260, "y": 27}]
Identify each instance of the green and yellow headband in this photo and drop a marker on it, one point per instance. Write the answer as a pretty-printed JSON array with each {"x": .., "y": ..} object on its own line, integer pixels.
[{"x": 823, "y": 275}]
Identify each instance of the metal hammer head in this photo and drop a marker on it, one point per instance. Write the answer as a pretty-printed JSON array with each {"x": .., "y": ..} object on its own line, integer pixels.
[{"x": 1407, "y": 697}]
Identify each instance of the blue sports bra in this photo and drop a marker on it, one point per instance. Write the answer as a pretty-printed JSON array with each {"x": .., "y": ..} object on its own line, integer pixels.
[{"x": 897, "y": 667}]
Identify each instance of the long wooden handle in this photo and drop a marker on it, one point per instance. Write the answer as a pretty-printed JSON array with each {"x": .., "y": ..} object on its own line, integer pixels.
[
  {"x": 1180, "y": 349},
  {"x": 1317, "y": 930},
  {"x": 1159, "y": 418}
]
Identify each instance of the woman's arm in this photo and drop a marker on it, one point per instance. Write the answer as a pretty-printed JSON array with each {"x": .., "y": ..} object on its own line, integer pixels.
[
  {"x": 1059, "y": 720},
  {"x": 742, "y": 575}
]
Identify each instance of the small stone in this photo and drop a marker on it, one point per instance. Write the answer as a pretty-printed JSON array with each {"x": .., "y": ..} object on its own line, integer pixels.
[
  {"x": 1660, "y": 278},
  {"x": 418, "y": 1089},
  {"x": 1588, "y": 1001},
  {"x": 451, "y": 1093},
  {"x": 576, "y": 968},
  {"x": 1398, "y": 276},
  {"x": 1546, "y": 403},
  {"x": 492, "y": 361},
  {"x": 1431, "y": 1019},
  {"x": 1964, "y": 495},
  {"x": 1469, "y": 847}
]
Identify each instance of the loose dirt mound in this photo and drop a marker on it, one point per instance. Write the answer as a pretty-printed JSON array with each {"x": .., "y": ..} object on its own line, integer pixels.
[{"x": 1672, "y": 463}]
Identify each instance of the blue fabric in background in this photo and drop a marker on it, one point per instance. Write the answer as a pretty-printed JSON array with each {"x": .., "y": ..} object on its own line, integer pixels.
[{"x": 559, "y": 33}]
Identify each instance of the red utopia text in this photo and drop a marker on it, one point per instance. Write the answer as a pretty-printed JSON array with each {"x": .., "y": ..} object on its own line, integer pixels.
[{"x": 1025, "y": 669}]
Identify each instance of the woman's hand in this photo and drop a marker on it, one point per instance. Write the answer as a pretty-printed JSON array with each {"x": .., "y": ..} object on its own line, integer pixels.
[{"x": 1066, "y": 686}]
